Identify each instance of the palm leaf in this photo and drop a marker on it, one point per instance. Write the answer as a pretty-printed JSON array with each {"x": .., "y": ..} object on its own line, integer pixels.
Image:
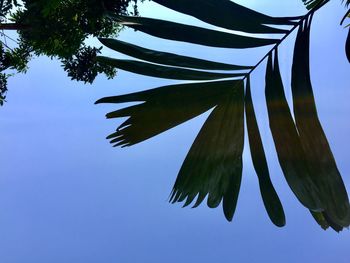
[
  {"x": 272, "y": 203},
  {"x": 213, "y": 165},
  {"x": 166, "y": 58},
  {"x": 313, "y": 140},
  {"x": 229, "y": 15},
  {"x": 191, "y": 34},
  {"x": 163, "y": 108},
  {"x": 158, "y": 71},
  {"x": 289, "y": 150}
]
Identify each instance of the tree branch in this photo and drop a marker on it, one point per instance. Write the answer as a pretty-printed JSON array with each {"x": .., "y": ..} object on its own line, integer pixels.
[
  {"x": 13, "y": 26},
  {"x": 300, "y": 22}
]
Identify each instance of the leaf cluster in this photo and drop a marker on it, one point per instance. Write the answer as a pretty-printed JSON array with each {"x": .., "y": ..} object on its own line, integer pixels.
[
  {"x": 83, "y": 66},
  {"x": 14, "y": 59},
  {"x": 58, "y": 29},
  {"x": 6, "y": 6},
  {"x": 61, "y": 29}
]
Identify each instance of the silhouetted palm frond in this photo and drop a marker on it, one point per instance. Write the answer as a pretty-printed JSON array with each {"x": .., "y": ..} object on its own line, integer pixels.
[{"x": 213, "y": 166}]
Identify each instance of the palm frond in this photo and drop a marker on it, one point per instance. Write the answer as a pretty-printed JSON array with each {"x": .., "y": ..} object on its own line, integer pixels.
[{"x": 213, "y": 166}]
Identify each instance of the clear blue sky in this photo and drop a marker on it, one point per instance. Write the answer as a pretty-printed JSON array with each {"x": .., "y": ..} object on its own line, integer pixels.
[{"x": 67, "y": 196}]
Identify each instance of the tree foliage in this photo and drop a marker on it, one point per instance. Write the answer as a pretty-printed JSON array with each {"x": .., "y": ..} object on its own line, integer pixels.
[
  {"x": 58, "y": 29},
  {"x": 213, "y": 165}
]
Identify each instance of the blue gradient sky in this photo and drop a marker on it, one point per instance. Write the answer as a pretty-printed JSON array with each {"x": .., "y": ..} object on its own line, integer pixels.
[{"x": 67, "y": 196}]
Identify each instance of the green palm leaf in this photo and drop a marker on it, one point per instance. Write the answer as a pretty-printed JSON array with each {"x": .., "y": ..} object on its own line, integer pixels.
[
  {"x": 229, "y": 15},
  {"x": 192, "y": 34},
  {"x": 213, "y": 165},
  {"x": 166, "y": 58},
  {"x": 289, "y": 150},
  {"x": 272, "y": 203},
  {"x": 158, "y": 71},
  {"x": 313, "y": 140},
  {"x": 163, "y": 108}
]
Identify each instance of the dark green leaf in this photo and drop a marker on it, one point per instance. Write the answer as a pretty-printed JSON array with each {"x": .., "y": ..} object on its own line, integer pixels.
[
  {"x": 272, "y": 203},
  {"x": 227, "y": 14},
  {"x": 166, "y": 58},
  {"x": 318, "y": 154},
  {"x": 289, "y": 150},
  {"x": 163, "y": 108},
  {"x": 191, "y": 34},
  {"x": 158, "y": 71},
  {"x": 213, "y": 165},
  {"x": 325, "y": 222},
  {"x": 332, "y": 224},
  {"x": 320, "y": 219}
]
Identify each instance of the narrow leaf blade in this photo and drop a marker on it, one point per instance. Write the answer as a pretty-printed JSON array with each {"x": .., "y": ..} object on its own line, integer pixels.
[
  {"x": 192, "y": 34},
  {"x": 227, "y": 14},
  {"x": 271, "y": 200},
  {"x": 313, "y": 139},
  {"x": 166, "y": 58},
  {"x": 289, "y": 150},
  {"x": 158, "y": 71}
]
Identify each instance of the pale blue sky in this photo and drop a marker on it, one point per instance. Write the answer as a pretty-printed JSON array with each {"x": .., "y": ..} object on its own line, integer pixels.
[{"x": 67, "y": 196}]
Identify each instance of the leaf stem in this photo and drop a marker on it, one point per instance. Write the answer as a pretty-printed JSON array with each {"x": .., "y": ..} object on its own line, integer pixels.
[{"x": 299, "y": 23}]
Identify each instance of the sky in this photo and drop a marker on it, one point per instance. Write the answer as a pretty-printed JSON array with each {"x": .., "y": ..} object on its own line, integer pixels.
[{"x": 67, "y": 196}]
